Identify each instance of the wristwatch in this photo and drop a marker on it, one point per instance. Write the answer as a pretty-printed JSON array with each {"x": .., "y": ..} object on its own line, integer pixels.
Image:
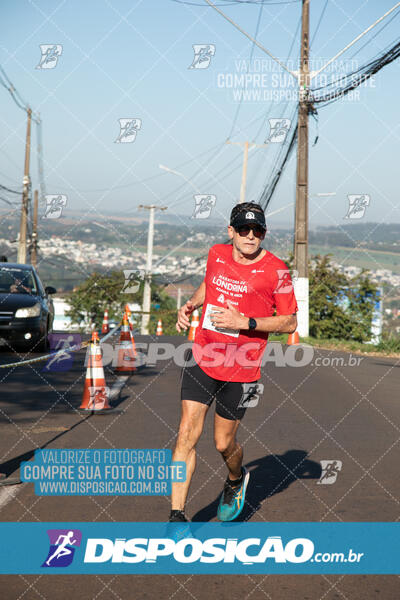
[{"x": 252, "y": 323}]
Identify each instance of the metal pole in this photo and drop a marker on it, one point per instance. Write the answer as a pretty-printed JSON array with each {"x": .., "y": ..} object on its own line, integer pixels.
[
  {"x": 179, "y": 298},
  {"x": 144, "y": 330},
  {"x": 25, "y": 191},
  {"x": 244, "y": 173},
  {"x": 34, "y": 229},
  {"x": 246, "y": 145},
  {"x": 147, "y": 281},
  {"x": 301, "y": 212}
]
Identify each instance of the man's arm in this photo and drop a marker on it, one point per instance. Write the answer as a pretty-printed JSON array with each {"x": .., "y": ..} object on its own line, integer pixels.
[
  {"x": 186, "y": 310},
  {"x": 278, "y": 324},
  {"x": 231, "y": 318},
  {"x": 198, "y": 297}
]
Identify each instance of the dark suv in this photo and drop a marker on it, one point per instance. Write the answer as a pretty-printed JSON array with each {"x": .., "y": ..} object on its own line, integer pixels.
[{"x": 26, "y": 310}]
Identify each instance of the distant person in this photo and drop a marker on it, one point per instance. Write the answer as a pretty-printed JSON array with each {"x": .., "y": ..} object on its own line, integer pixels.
[
  {"x": 18, "y": 288},
  {"x": 243, "y": 287}
]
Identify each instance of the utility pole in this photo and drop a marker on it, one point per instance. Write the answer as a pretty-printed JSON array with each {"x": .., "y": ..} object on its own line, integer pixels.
[
  {"x": 34, "y": 229},
  {"x": 301, "y": 212},
  {"x": 149, "y": 260},
  {"x": 25, "y": 192},
  {"x": 246, "y": 145},
  {"x": 304, "y": 78},
  {"x": 244, "y": 173}
]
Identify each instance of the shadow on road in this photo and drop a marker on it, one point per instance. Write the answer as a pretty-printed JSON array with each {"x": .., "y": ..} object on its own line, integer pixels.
[
  {"x": 12, "y": 465},
  {"x": 271, "y": 475}
]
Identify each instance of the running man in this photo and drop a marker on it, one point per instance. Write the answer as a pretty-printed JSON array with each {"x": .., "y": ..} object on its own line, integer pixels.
[
  {"x": 240, "y": 293},
  {"x": 62, "y": 549}
]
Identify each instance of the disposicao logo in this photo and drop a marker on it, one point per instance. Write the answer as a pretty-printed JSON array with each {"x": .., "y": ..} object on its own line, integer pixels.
[
  {"x": 62, "y": 547},
  {"x": 191, "y": 550}
]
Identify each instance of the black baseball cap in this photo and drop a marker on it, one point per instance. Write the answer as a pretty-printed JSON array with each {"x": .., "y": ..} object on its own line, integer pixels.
[{"x": 249, "y": 217}]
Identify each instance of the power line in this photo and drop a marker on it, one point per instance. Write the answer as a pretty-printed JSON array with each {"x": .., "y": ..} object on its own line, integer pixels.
[
  {"x": 7, "y": 201},
  {"x": 354, "y": 79},
  {"x": 4, "y": 187},
  {"x": 250, "y": 59},
  {"x": 319, "y": 23},
  {"x": 6, "y": 82},
  {"x": 287, "y": 59},
  {"x": 268, "y": 192},
  {"x": 376, "y": 34},
  {"x": 151, "y": 177}
]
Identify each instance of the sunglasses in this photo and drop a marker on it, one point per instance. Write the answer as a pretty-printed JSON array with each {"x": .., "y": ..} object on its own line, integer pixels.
[{"x": 244, "y": 230}]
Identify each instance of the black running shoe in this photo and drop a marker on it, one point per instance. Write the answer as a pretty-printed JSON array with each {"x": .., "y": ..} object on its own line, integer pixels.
[
  {"x": 178, "y": 527},
  {"x": 178, "y": 517}
]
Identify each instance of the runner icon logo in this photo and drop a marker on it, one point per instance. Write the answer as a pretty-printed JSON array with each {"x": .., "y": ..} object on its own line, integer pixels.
[
  {"x": 251, "y": 394},
  {"x": 202, "y": 56},
  {"x": 132, "y": 281},
  {"x": 285, "y": 279},
  {"x": 63, "y": 543},
  {"x": 98, "y": 397},
  {"x": 358, "y": 204},
  {"x": 279, "y": 128},
  {"x": 330, "y": 470},
  {"x": 128, "y": 130},
  {"x": 50, "y": 54},
  {"x": 55, "y": 204},
  {"x": 203, "y": 205},
  {"x": 62, "y": 357}
]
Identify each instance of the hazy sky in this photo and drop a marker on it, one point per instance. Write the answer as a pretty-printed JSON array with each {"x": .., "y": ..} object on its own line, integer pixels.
[{"x": 130, "y": 59}]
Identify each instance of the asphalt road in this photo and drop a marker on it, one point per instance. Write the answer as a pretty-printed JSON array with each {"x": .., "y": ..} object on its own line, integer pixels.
[{"x": 332, "y": 411}]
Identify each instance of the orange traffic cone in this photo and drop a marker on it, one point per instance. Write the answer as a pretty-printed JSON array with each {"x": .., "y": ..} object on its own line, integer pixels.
[
  {"x": 193, "y": 325},
  {"x": 95, "y": 392},
  {"x": 126, "y": 355},
  {"x": 293, "y": 339},
  {"x": 159, "y": 327},
  {"x": 105, "y": 327},
  {"x": 129, "y": 314}
]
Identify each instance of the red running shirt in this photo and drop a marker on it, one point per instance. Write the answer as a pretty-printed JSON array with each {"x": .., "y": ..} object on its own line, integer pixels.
[{"x": 256, "y": 290}]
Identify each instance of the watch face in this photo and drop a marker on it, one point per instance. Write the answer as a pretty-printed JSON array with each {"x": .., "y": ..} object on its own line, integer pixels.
[{"x": 252, "y": 323}]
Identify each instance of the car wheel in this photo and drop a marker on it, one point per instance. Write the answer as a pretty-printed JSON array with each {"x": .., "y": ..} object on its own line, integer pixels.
[{"x": 43, "y": 345}]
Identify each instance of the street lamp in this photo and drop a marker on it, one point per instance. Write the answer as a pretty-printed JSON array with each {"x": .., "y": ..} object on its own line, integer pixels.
[
  {"x": 279, "y": 210},
  {"x": 168, "y": 170}
]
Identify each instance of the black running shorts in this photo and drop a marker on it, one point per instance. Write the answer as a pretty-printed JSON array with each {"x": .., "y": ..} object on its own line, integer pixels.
[{"x": 232, "y": 398}]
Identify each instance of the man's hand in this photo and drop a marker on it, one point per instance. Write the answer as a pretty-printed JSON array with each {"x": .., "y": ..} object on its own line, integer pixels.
[
  {"x": 183, "y": 316},
  {"x": 229, "y": 318}
]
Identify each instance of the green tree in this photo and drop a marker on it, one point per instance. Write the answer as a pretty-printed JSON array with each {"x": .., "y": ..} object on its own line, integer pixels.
[{"x": 340, "y": 307}]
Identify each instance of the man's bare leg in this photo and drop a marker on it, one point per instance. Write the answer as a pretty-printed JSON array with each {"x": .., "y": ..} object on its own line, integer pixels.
[
  {"x": 226, "y": 443},
  {"x": 190, "y": 428}
]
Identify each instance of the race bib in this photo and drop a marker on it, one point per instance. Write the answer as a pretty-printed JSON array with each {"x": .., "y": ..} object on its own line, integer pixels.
[{"x": 208, "y": 325}]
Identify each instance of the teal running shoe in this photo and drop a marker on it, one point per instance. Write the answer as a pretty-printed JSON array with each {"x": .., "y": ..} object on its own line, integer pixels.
[{"x": 232, "y": 499}]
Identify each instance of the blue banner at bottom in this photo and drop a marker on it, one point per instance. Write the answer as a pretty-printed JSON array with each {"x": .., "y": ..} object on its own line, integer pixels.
[{"x": 199, "y": 548}]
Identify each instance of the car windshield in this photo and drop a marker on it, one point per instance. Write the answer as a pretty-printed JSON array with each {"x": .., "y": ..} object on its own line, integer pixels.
[{"x": 17, "y": 281}]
